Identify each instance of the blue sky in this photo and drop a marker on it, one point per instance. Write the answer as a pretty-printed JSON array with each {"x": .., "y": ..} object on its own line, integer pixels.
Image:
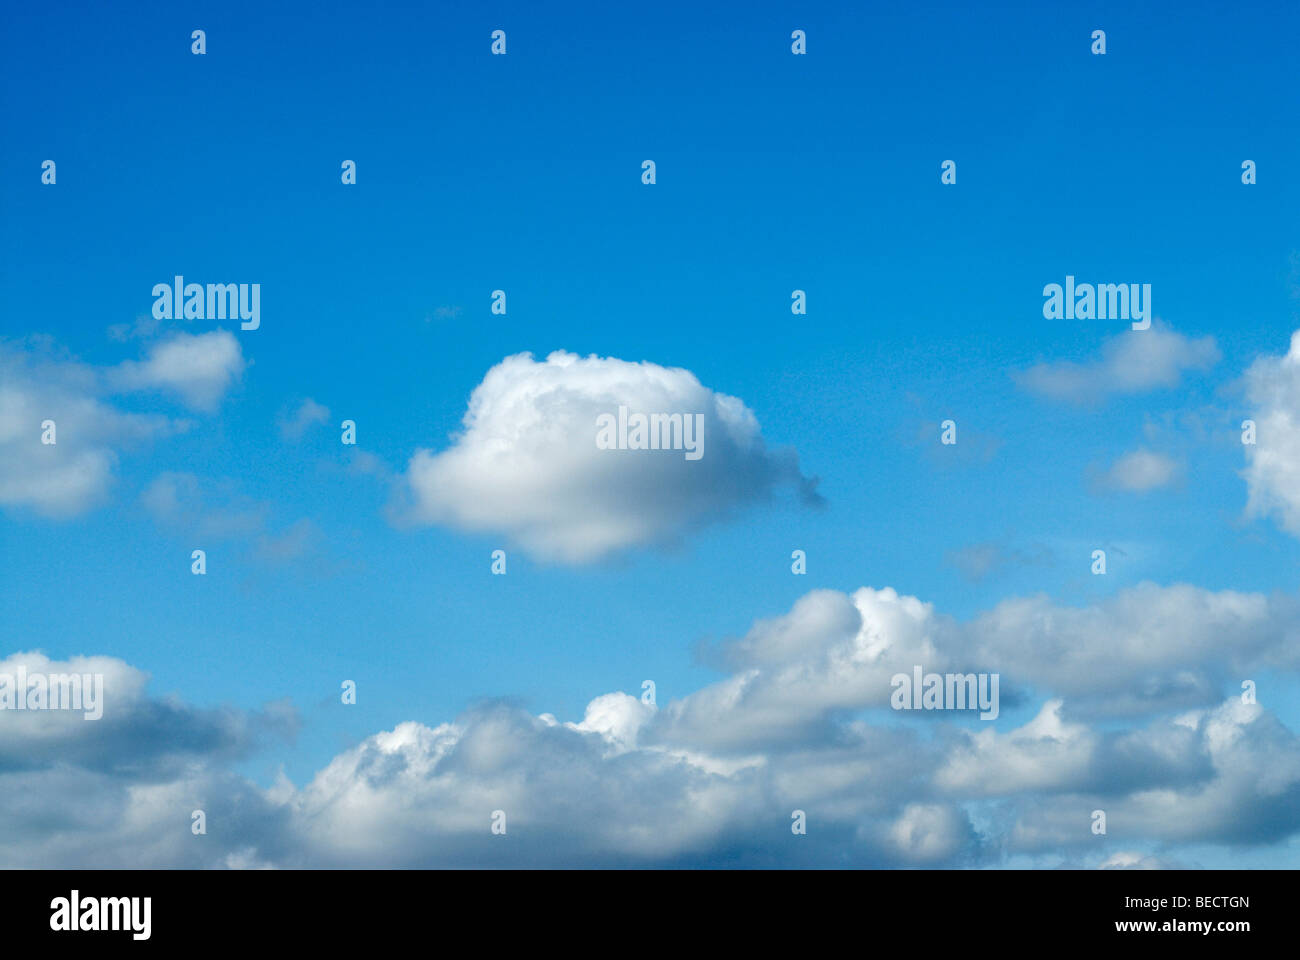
[{"x": 523, "y": 173}]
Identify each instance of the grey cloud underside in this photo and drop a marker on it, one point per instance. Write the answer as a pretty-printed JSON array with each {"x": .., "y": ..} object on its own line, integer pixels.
[
  {"x": 1143, "y": 721},
  {"x": 1135, "y": 700}
]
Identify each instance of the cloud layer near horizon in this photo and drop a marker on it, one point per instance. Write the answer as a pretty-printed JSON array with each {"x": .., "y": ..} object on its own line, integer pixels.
[{"x": 800, "y": 723}]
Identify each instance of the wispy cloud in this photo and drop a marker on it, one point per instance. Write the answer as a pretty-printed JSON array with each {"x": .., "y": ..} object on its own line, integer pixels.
[
  {"x": 1135, "y": 361},
  {"x": 308, "y": 413},
  {"x": 197, "y": 368},
  {"x": 1272, "y": 471},
  {"x": 1140, "y": 471}
]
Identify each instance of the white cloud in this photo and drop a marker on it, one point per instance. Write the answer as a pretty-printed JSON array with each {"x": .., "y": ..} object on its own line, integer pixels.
[
  {"x": 1045, "y": 753},
  {"x": 39, "y": 383},
  {"x": 713, "y": 777},
  {"x": 1146, "y": 649},
  {"x": 1273, "y": 462},
  {"x": 74, "y": 473},
  {"x": 209, "y": 510},
  {"x": 831, "y": 653},
  {"x": 978, "y": 561},
  {"x": 197, "y": 368},
  {"x": 527, "y": 463},
  {"x": 1135, "y": 361}
]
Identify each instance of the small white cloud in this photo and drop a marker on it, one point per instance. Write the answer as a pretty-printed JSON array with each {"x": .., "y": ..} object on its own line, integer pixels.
[
  {"x": 1136, "y": 361},
  {"x": 528, "y": 465},
  {"x": 198, "y": 368},
  {"x": 1273, "y": 462}
]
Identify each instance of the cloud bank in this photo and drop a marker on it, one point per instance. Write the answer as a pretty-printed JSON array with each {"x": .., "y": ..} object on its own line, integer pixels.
[
  {"x": 800, "y": 723},
  {"x": 527, "y": 463}
]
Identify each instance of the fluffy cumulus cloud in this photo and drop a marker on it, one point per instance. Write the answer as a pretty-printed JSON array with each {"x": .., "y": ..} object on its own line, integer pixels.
[
  {"x": 1148, "y": 648},
  {"x": 91, "y": 428},
  {"x": 801, "y": 722},
  {"x": 184, "y": 503},
  {"x": 528, "y": 465},
  {"x": 1272, "y": 386},
  {"x": 1135, "y": 361}
]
